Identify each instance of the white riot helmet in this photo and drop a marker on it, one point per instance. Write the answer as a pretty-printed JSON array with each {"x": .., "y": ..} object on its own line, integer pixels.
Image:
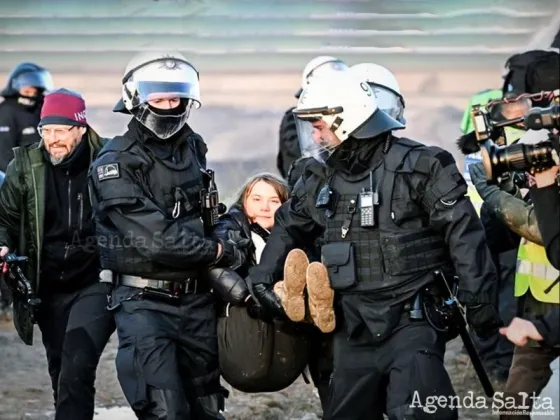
[
  {"x": 385, "y": 87},
  {"x": 319, "y": 65},
  {"x": 346, "y": 105},
  {"x": 154, "y": 76}
]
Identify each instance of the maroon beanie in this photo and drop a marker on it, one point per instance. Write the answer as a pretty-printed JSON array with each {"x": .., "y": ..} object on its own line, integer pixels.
[{"x": 63, "y": 106}]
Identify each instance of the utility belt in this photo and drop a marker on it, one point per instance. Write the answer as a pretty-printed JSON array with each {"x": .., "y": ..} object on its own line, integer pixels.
[{"x": 169, "y": 291}]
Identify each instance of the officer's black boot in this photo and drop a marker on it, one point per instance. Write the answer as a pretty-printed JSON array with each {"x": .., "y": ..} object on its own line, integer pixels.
[{"x": 165, "y": 404}]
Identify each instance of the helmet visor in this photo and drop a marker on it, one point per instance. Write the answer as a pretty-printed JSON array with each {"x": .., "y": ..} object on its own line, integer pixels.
[
  {"x": 388, "y": 102},
  {"x": 40, "y": 79},
  {"x": 152, "y": 91},
  {"x": 315, "y": 142}
]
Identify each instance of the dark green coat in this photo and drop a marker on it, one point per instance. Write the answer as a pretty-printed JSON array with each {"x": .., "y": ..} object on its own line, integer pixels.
[{"x": 22, "y": 211}]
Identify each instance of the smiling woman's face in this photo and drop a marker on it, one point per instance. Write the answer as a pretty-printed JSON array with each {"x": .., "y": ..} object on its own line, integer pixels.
[{"x": 261, "y": 203}]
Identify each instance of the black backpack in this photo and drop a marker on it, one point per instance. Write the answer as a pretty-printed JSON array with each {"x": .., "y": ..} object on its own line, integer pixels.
[{"x": 532, "y": 72}]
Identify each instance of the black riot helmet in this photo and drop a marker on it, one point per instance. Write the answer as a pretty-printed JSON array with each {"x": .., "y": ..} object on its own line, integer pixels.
[{"x": 27, "y": 74}]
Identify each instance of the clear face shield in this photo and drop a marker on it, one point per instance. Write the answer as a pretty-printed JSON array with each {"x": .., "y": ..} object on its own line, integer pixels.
[
  {"x": 164, "y": 107},
  {"x": 315, "y": 137},
  {"x": 389, "y": 102}
]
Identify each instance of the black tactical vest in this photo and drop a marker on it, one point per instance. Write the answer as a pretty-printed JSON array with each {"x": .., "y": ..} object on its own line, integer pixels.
[
  {"x": 175, "y": 186},
  {"x": 400, "y": 248}
]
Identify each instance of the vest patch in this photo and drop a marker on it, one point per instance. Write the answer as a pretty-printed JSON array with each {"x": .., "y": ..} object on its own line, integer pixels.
[
  {"x": 28, "y": 131},
  {"x": 109, "y": 171}
]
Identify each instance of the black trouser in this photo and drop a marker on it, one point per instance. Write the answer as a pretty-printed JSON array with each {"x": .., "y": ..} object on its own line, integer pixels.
[
  {"x": 496, "y": 352},
  {"x": 75, "y": 327},
  {"x": 394, "y": 376},
  {"x": 5, "y": 295},
  {"x": 167, "y": 363},
  {"x": 321, "y": 364}
]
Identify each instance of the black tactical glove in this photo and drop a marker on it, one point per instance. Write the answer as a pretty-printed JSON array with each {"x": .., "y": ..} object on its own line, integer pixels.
[
  {"x": 256, "y": 311},
  {"x": 507, "y": 183},
  {"x": 482, "y": 315},
  {"x": 233, "y": 251},
  {"x": 484, "y": 320},
  {"x": 480, "y": 181},
  {"x": 269, "y": 300},
  {"x": 228, "y": 285}
]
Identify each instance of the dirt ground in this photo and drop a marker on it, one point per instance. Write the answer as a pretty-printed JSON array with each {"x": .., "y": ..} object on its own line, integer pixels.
[{"x": 25, "y": 390}]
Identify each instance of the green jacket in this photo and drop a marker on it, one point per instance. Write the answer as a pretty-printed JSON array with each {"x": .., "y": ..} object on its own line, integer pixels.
[{"x": 22, "y": 202}]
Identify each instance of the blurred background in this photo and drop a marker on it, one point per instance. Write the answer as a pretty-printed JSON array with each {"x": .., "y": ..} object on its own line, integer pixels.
[{"x": 250, "y": 54}]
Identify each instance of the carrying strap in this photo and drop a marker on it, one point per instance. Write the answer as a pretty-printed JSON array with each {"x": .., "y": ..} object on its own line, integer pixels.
[{"x": 19, "y": 156}]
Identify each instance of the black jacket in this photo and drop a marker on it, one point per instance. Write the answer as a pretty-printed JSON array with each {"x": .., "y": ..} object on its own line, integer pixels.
[
  {"x": 288, "y": 144},
  {"x": 18, "y": 127},
  {"x": 547, "y": 208},
  {"x": 235, "y": 220},
  {"x": 69, "y": 257},
  {"x": 548, "y": 325},
  {"x": 435, "y": 185},
  {"x": 146, "y": 201}
]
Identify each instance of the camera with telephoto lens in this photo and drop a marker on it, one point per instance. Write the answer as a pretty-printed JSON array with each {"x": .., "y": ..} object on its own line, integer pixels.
[{"x": 517, "y": 157}]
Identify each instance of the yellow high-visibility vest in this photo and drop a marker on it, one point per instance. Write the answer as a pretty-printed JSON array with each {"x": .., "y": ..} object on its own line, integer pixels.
[{"x": 535, "y": 273}]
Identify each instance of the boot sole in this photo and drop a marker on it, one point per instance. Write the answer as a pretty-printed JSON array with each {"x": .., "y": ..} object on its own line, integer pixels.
[
  {"x": 321, "y": 297},
  {"x": 295, "y": 269}
]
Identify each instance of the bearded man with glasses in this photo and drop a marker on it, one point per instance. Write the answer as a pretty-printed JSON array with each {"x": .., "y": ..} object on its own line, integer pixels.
[{"x": 45, "y": 214}]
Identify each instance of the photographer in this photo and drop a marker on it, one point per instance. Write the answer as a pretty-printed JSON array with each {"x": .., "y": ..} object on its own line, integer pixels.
[
  {"x": 546, "y": 199},
  {"x": 496, "y": 352},
  {"x": 535, "y": 285}
]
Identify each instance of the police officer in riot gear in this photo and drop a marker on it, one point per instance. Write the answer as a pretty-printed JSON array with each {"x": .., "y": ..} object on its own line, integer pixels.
[
  {"x": 389, "y": 211},
  {"x": 20, "y": 111},
  {"x": 146, "y": 191},
  {"x": 288, "y": 148}
]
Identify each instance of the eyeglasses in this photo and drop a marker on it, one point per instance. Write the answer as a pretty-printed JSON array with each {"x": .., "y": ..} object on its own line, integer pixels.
[{"x": 58, "y": 133}]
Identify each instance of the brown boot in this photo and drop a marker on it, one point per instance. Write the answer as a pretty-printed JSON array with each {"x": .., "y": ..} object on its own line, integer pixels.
[
  {"x": 279, "y": 290},
  {"x": 321, "y": 297},
  {"x": 295, "y": 269}
]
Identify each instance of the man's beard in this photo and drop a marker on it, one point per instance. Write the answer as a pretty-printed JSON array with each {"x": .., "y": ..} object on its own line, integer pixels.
[{"x": 57, "y": 160}]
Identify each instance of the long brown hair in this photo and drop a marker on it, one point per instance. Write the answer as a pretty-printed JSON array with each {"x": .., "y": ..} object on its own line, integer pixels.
[{"x": 276, "y": 182}]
